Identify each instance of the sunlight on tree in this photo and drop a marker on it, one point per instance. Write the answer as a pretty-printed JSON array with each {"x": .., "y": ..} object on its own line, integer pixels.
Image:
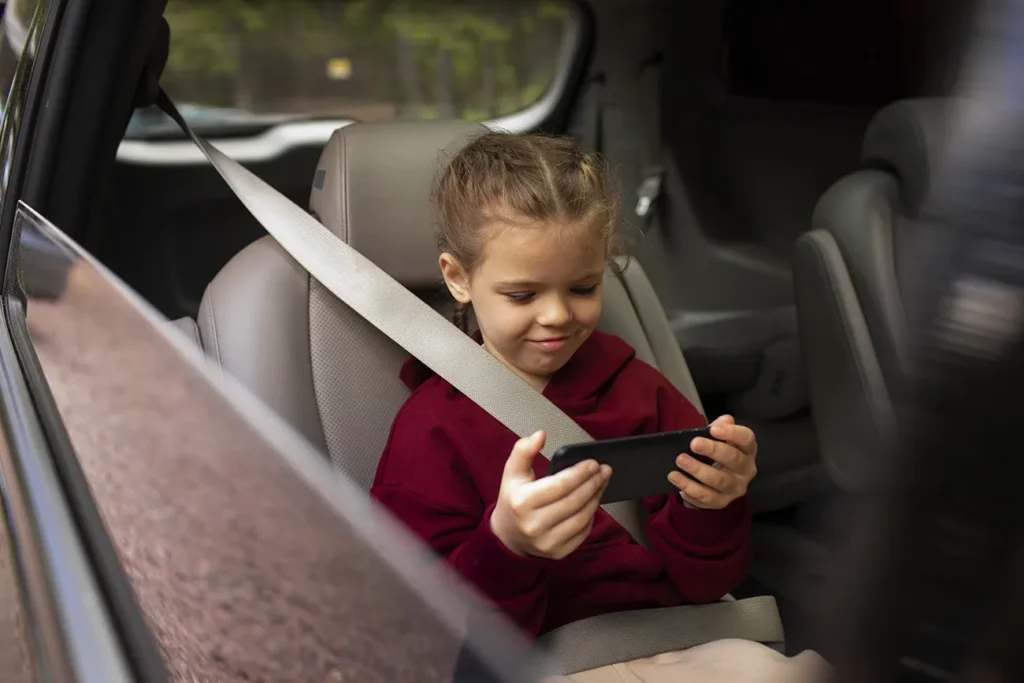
[{"x": 408, "y": 58}]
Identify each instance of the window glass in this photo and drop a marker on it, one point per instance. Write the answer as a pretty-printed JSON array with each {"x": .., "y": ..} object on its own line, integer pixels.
[
  {"x": 20, "y": 29},
  {"x": 15, "y": 655},
  {"x": 250, "y": 558},
  {"x": 235, "y": 64},
  {"x": 17, "y": 18}
]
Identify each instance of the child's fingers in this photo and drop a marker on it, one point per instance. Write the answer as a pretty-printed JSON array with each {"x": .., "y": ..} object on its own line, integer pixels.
[
  {"x": 698, "y": 493},
  {"x": 716, "y": 479},
  {"x": 520, "y": 460},
  {"x": 550, "y": 516},
  {"x": 721, "y": 452},
  {"x": 548, "y": 490},
  {"x": 570, "y": 532},
  {"x": 739, "y": 436},
  {"x": 724, "y": 420}
]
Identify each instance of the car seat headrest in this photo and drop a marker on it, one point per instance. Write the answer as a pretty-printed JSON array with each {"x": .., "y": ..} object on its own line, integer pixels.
[
  {"x": 372, "y": 189},
  {"x": 907, "y": 137}
]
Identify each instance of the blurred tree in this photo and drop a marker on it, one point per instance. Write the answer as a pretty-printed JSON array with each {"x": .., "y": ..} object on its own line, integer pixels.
[{"x": 424, "y": 57}]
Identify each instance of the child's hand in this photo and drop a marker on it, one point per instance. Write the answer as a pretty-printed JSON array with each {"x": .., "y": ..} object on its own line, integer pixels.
[
  {"x": 735, "y": 456},
  {"x": 549, "y": 517}
]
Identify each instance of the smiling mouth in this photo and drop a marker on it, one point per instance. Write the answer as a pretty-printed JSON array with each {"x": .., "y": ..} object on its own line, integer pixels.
[{"x": 550, "y": 344}]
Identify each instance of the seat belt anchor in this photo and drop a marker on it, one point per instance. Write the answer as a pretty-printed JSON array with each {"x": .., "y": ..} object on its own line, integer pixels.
[{"x": 647, "y": 194}]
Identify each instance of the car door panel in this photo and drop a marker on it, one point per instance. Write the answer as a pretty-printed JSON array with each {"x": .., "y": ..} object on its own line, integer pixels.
[{"x": 250, "y": 558}]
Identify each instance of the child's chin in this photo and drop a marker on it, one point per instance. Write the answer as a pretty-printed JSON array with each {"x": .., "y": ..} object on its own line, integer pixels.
[{"x": 549, "y": 365}]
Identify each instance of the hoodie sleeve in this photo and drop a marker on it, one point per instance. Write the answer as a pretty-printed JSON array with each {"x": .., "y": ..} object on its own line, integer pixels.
[
  {"x": 707, "y": 553},
  {"x": 423, "y": 481}
]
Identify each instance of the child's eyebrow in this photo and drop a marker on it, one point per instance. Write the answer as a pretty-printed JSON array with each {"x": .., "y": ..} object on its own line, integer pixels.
[
  {"x": 591, "y": 276},
  {"x": 516, "y": 283},
  {"x": 529, "y": 284}
]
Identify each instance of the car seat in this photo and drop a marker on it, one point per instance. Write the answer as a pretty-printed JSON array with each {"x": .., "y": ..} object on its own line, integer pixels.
[
  {"x": 852, "y": 271},
  {"x": 329, "y": 373},
  {"x": 320, "y": 365},
  {"x": 335, "y": 377}
]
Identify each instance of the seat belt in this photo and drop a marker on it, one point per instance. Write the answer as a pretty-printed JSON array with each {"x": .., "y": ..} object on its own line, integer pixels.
[
  {"x": 626, "y": 636},
  {"x": 454, "y": 356}
]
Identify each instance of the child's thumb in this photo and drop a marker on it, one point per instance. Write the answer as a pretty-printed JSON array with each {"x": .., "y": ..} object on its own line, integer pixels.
[{"x": 520, "y": 461}]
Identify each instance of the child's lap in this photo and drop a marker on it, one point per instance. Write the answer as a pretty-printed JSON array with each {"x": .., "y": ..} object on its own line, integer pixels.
[{"x": 723, "y": 661}]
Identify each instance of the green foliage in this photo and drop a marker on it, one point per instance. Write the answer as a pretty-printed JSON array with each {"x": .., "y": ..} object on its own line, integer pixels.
[{"x": 487, "y": 58}]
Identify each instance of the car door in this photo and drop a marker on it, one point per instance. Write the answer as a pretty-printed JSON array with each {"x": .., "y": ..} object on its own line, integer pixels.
[{"x": 159, "y": 525}]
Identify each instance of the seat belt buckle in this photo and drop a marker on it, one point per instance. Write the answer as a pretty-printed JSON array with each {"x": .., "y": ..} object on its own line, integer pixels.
[{"x": 647, "y": 194}]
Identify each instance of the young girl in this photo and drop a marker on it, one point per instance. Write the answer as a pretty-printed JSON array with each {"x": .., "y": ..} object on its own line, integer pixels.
[{"x": 527, "y": 226}]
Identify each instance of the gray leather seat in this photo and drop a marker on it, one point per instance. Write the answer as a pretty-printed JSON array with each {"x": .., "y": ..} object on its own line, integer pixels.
[
  {"x": 851, "y": 274},
  {"x": 320, "y": 365}
]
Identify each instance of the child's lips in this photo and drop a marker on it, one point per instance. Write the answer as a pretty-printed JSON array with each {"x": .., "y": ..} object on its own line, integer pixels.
[{"x": 551, "y": 343}]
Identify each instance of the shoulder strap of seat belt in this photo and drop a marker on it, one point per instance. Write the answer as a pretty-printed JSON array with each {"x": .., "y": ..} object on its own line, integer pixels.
[{"x": 424, "y": 333}]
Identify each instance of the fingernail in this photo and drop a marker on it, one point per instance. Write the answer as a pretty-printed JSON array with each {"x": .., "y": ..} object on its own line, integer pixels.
[{"x": 606, "y": 470}]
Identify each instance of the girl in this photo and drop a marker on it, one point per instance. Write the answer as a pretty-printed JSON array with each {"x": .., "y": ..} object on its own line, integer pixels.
[{"x": 527, "y": 226}]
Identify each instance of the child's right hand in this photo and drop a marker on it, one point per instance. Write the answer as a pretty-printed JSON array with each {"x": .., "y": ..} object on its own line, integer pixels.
[{"x": 548, "y": 517}]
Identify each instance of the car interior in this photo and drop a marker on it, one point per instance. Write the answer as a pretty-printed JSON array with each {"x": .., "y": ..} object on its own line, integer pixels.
[{"x": 791, "y": 143}]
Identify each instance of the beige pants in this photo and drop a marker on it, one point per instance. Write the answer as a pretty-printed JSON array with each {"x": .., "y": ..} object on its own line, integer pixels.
[{"x": 723, "y": 661}]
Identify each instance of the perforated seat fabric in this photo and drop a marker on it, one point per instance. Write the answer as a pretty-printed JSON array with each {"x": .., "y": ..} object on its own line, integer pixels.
[
  {"x": 849, "y": 273},
  {"x": 321, "y": 366}
]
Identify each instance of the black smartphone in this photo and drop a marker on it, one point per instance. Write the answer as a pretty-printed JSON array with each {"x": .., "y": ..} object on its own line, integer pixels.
[{"x": 640, "y": 464}]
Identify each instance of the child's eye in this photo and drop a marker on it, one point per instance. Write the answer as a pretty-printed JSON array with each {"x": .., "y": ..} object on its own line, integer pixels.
[
  {"x": 519, "y": 297},
  {"x": 584, "y": 291}
]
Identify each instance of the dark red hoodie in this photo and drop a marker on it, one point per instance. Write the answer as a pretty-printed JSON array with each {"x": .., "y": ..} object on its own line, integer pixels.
[{"x": 442, "y": 466}]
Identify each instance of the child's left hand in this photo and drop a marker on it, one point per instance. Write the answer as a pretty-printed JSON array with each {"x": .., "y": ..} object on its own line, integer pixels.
[{"x": 735, "y": 455}]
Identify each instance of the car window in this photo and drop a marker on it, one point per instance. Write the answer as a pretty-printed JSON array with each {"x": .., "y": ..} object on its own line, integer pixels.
[
  {"x": 15, "y": 24},
  {"x": 240, "y": 65},
  {"x": 18, "y": 35},
  {"x": 15, "y": 655},
  {"x": 251, "y": 559}
]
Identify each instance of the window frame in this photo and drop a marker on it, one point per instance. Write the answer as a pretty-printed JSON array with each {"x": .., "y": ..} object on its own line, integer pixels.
[
  {"x": 82, "y": 626},
  {"x": 551, "y": 113}
]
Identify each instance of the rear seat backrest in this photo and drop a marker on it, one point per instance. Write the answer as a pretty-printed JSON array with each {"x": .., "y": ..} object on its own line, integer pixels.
[
  {"x": 850, "y": 273},
  {"x": 320, "y": 365}
]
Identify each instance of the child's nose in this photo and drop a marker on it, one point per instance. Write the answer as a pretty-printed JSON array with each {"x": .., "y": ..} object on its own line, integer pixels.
[{"x": 554, "y": 313}]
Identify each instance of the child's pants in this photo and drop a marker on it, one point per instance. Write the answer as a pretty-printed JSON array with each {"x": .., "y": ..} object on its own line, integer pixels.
[{"x": 723, "y": 661}]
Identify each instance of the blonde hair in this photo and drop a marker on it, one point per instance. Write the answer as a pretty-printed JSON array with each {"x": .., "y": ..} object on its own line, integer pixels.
[{"x": 536, "y": 178}]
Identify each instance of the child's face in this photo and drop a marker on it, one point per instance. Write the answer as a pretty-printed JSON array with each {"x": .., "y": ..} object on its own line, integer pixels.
[{"x": 536, "y": 294}]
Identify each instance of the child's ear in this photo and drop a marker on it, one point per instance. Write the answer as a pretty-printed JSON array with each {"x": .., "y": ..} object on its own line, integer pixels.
[{"x": 455, "y": 277}]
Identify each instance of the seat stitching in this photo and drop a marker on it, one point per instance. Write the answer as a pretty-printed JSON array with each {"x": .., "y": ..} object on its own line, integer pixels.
[{"x": 211, "y": 318}]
